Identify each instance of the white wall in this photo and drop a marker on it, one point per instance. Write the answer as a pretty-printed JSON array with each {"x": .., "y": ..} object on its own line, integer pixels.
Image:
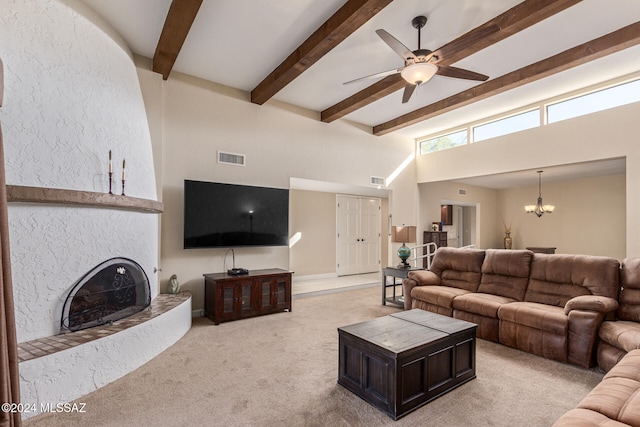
[
  {"x": 279, "y": 141},
  {"x": 71, "y": 95},
  {"x": 606, "y": 134},
  {"x": 315, "y": 252},
  {"x": 589, "y": 217}
]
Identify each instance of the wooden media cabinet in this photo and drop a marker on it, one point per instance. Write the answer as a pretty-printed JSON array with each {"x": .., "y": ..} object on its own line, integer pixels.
[{"x": 229, "y": 297}]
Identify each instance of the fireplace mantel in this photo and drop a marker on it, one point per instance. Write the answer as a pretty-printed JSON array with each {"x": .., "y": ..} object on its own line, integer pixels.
[{"x": 24, "y": 194}]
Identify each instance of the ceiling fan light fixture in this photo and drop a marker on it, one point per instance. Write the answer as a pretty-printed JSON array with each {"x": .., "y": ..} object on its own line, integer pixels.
[{"x": 418, "y": 73}]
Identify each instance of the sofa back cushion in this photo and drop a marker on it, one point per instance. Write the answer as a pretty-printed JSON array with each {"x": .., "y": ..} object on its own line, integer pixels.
[
  {"x": 506, "y": 273},
  {"x": 458, "y": 268},
  {"x": 629, "y": 308},
  {"x": 556, "y": 278}
]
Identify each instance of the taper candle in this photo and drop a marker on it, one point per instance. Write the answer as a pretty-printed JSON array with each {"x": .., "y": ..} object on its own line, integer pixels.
[
  {"x": 123, "y": 169},
  {"x": 110, "y": 165}
]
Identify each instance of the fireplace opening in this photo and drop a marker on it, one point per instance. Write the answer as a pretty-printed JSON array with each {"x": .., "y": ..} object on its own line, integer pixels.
[{"x": 113, "y": 290}]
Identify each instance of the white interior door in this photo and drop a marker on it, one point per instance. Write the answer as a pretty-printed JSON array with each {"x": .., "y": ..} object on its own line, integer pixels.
[
  {"x": 369, "y": 235},
  {"x": 359, "y": 229},
  {"x": 348, "y": 216}
]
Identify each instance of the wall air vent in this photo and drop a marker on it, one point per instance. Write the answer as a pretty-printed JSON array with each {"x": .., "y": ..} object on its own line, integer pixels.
[
  {"x": 231, "y": 158},
  {"x": 377, "y": 181},
  {"x": 462, "y": 191}
]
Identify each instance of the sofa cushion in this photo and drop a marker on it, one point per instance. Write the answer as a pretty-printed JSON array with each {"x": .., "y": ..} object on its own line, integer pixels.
[
  {"x": 628, "y": 367},
  {"x": 458, "y": 268},
  {"x": 629, "y": 308},
  {"x": 537, "y": 316},
  {"x": 483, "y": 304},
  {"x": 616, "y": 398},
  {"x": 556, "y": 278},
  {"x": 441, "y": 296},
  {"x": 618, "y": 395},
  {"x": 505, "y": 273},
  {"x": 622, "y": 334},
  {"x": 579, "y": 417}
]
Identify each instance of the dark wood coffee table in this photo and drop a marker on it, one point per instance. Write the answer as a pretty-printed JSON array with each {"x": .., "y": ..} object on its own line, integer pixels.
[{"x": 402, "y": 361}]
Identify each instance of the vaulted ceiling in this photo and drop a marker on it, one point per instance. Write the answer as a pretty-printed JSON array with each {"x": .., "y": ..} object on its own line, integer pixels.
[{"x": 301, "y": 52}]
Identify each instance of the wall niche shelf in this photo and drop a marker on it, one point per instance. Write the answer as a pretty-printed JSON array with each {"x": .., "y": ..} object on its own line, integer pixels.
[{"x": 24, "y": 194}]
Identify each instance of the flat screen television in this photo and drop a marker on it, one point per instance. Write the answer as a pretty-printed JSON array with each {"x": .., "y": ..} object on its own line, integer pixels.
[{"x": 228, "y": 215}]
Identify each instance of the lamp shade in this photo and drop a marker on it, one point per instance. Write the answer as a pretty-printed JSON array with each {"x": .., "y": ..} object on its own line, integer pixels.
[
  {"x": 403, "y": 234},
  {"x": 418, "y": 73}
]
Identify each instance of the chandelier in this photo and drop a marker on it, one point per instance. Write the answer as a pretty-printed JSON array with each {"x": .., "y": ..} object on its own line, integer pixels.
[{"x": 539, "y": 209}]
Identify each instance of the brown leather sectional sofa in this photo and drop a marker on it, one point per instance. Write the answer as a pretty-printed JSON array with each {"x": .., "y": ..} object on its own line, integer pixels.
[
  {"x": 572, "y": 308},
  {"x": 548, "y": 305}
]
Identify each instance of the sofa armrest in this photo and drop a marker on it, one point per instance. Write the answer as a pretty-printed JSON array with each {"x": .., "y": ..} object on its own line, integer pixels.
[
  {"x": 407, "y": 285},
  {"x": 417, "y": 278},
  {"x": 595, "y": 303},
  {"x": 425, "y": 277}
]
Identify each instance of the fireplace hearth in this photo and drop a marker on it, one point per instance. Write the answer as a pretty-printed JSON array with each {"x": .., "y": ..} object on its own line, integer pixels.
[{"x": 113, "y": 290}]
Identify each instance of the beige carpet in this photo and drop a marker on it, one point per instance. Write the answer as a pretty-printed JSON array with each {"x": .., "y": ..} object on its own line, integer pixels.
[{"x": 282, "y": 370}]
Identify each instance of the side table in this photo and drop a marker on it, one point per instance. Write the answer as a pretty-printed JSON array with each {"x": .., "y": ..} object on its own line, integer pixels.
[{"x": 395, "y": 272}]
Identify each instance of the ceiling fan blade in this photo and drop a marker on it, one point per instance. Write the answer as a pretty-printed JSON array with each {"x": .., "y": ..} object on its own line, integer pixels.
[
  {"x": 465, "y": 41},
  {"x": 408, "y": 91},
  {"x": 376, "y": 75},
  {"x": 394, "y": 44},
  {"x": 460, "y": 73}
]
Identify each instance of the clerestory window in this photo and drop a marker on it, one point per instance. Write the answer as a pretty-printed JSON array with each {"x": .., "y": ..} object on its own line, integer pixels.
[
  {"x": 444, "y": 142},
  {"x": 615, "y": 96}
]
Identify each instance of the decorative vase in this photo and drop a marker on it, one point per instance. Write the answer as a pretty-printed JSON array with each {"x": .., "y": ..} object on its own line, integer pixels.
[
  {"x": 507, "y": 240},
  {"x": 174, "y": 286}
]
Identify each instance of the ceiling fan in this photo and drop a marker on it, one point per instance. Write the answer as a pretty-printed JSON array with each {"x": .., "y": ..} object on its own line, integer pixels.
[{"x": 420, "y": 65}]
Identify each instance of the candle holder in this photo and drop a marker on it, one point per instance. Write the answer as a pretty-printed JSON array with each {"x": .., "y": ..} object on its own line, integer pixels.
[
  {"x": 123, "y": 188},
  {"x": 110, "y": 182}
]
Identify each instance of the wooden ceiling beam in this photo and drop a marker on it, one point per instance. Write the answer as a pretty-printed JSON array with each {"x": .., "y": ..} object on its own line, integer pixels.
[
  {"x": 611, "y": 43},
  {"x": 179, "y": 19},
  {"x": 343, "y": 23},
  {"x": 368, "y": 95},
  {"x": 516, "y": 19}
]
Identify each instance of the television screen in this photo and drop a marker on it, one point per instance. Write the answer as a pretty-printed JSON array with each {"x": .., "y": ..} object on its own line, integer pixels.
[{"x": 229, "y": 215}]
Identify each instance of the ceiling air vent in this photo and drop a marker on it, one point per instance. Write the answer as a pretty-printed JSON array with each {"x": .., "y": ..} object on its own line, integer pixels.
[
  {"x": 462, "y": 191},
  {"x": 231, "y": 158},
  {"x": 377, "y": 181}
]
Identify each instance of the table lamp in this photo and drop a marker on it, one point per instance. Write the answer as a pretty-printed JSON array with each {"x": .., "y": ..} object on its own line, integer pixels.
[{"x": 403, "y": 234}]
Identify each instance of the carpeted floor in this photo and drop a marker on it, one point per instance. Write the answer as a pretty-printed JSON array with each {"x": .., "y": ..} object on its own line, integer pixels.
[{"x": 282, "y": 369}]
